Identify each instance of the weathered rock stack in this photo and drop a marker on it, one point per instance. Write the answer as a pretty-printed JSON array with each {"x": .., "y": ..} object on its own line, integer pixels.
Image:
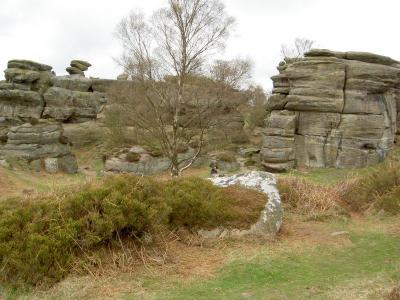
[
  {"x": 78, "y": 67},
  {"x": 34, "y": 105},
  {"x": 332, "y": 109}
]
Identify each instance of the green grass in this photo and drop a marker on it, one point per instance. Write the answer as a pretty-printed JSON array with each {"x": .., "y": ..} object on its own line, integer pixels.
[
  {"x": 326, "y": 176},
  {"x": 306, "y": 275}
]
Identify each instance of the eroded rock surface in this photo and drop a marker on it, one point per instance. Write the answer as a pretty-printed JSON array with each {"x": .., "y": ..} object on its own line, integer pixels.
[
  {"x": 32, "y": 94},
  {"x": 39, "y": 145},
  {"x": 332, "y": 109},
  {"x": 139, "y": 161},
  {"x": 270, "y": 220}
]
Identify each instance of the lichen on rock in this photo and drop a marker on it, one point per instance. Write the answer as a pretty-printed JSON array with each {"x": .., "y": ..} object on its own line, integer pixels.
[{"x": 271, "y": 216}]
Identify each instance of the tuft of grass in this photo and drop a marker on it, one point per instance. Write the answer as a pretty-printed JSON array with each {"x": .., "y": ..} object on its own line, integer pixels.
[
  {"x": 309, "y": 199},
  {"x": 389, "y": 202},
  {"x": 41, "y": 239}
]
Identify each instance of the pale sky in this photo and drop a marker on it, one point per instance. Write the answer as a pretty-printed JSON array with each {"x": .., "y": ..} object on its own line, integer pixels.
[{"x": 56, "y": 31}]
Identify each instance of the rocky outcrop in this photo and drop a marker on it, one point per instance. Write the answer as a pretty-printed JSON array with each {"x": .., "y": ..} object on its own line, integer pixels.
[
  {"x": 72, "y": 105},
  {"x": 32, "y": 94},
  {"x": 41, "y": 144},
  {"x": 271, "y": 216},
  {"x": 332, "y": 109},
  {"x": 139, "y": 161}
]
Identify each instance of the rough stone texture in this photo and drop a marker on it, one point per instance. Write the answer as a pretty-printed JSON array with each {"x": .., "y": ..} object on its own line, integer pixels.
[
  {"x": 332, "y": 109},
  {"x": 76, "y": 106},
  {"x": 77, "y": 67},
  {"x": 74, "y": 71},
  {"x": 43, "y": 141},
  {"x": 51, "y": 165},
  {"x": 31, "y": 93},
  {"x": 35, "y": 141},
  {"x": 73, "y": 83},
  {"x": 146, "y": 165},
  {"x": 271, "y": 216}
]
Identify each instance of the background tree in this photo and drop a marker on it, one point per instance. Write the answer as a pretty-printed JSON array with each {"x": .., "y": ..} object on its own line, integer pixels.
[
  {"x": 234, "y": 73},
  {"x": 256, "y": 111},
  {"x": 162, "y": 55},
  {"x": 297, "y": 49}
]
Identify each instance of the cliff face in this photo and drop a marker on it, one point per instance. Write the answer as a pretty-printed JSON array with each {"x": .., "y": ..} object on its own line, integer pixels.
[{"x": 332, "y": 109}]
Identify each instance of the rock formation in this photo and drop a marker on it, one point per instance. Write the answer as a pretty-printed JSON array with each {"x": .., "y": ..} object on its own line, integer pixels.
[
  {"x": 271, "y": 216},
  {"x": 34, "y": 104},
  {"x": 332, "y": 109},
  {"x": 78, "y": 67}
]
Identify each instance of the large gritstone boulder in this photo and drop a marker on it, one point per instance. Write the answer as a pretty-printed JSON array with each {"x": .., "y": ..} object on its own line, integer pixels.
[
  {"x": 73, "y": 106},
  {"x": 43, "y": 141},
  {"x": 271, "y": 216},
  {"x": 332, "y": 109}
]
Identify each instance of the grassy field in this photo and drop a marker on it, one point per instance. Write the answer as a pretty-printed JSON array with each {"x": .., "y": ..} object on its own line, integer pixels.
[
  {"x": 337, "y": 258},
  {"x": 337, "y": 271},
  {"x": 355, "y": 259}
]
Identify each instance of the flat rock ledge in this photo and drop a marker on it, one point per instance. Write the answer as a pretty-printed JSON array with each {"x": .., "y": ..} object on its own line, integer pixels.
[{"x": 271, "y": 216}]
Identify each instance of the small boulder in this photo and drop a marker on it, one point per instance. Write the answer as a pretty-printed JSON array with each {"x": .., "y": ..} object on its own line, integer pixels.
[
  {"x": 51, "y": 164},
  {"x": 68, "y": 164}
]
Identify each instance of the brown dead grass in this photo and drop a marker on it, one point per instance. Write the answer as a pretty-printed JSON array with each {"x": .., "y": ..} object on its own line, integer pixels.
[
  {"x": 247, "y": 203},
  {"x": 7, "y": 187},
  {"x": 187, "y": 258},
  {"x": 312, "y": 200}
]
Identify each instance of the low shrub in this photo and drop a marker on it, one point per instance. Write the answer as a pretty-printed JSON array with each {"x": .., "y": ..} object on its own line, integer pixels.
[
  {"x": 40, "y": 238},
  {"x": 389, "y": 202},
  {"x": 196, "y": 203},
  {"x": 375, "y": 188},
  {"x": 227, "y": 157}
]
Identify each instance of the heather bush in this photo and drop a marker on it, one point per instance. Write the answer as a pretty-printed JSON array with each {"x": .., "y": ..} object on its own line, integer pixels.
[
  {"x": 41, "y": 239},
  {"x": 375, "y": 188}
]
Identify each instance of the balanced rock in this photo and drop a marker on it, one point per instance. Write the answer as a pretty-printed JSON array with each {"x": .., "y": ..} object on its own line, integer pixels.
[
  {"x": 74, "y": 71},
  {"x": 77, "y": 67},
  {"x": 81, "y": 63},
  {"x": 332, "y": 109}
]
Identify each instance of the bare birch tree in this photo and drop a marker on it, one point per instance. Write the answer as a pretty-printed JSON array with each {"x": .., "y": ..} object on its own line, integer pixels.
[
  {"x": 234, "y": 73},
  {"x": 297, "y": 49},
  {"x": 162, "y": 55}
]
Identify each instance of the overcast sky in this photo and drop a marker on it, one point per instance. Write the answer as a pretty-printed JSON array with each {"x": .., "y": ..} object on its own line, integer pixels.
[{"x": 56, "y": 31}]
